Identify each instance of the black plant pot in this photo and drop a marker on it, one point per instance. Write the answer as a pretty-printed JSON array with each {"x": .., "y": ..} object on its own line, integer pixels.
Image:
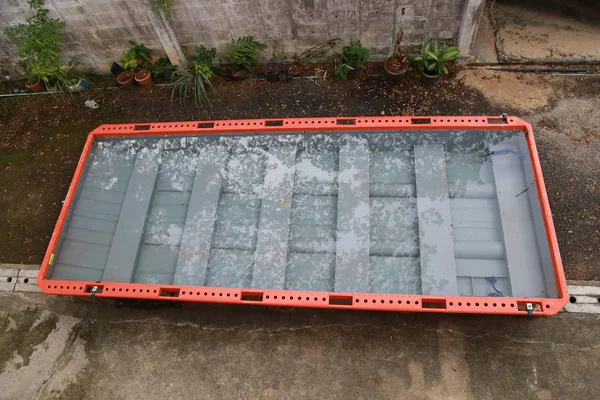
[
  {"x": 168, "y": 75},
  {"x": 353, "y": 73},
  {"x": 271, "y": 72},
  {"x": 429, "y": 80},
  {"x": 116, "y": 69},
  {"x": 392, "y": 76}
]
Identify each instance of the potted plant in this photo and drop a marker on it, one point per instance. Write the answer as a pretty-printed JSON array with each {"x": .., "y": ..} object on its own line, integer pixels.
[
  {"x": 195, "y": 81},
  {"x": 241, "y": 53},
  {"x": 353, "y": 58},
  {"x": 38, "y": 45},
  {"x": 144, "y": 78},
  {"x": 396, "y": 66},
  {"x": 432, "y": 62},
  {"x": 136, "y": 60},
  {"x": 163, "y": 69},
  {"x": 271, "y": 71},
  {"x": 125, "y": 79}
]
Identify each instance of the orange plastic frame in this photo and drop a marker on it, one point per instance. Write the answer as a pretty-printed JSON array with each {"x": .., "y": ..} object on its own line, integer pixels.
[{"x": 362, "y": 301}]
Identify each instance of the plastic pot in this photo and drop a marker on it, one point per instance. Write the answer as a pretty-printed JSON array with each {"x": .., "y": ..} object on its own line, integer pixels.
[
  {"x": 168, "y": 75},
  {"x": 353, "y": 73},
  {"x": 429, "y": 80},
  {"x": 37, "y": 87},
  {"x": 394, "y": 77},
  {"x": 125, "y": 79},
  {"x": 116, "y": 69},
  {"x": 240, "y": 74},
  {"x": 271, "y": 71},
  {"x": 144, "y": 78}
]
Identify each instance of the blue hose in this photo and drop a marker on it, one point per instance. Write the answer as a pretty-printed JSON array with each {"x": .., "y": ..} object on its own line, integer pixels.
[
  {"x": 493, "y": 281},
  {"x": 503, "y": 152}
]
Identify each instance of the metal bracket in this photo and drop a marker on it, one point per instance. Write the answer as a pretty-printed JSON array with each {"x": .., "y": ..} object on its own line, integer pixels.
[
  {"x": 94, "y": 291},
  {"x": 529, "y": 310},
  {"x": 504, "y": 117}
]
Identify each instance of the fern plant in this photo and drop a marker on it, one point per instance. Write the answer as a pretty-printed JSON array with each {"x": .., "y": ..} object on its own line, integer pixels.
[
  {"x": 242, "y": 51},
  {"x": 434, "y": 58},
  {"x": 353, "y": 57},
  {"x": 195, "y": 81},
  {"x": 38, "y": 43}
]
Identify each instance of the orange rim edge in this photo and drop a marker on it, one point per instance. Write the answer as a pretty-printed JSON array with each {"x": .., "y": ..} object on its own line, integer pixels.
[{"x": 294, "y": 298}]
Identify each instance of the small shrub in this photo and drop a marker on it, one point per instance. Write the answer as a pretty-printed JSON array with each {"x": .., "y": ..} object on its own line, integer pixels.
[
  {"x": 38, "y": 43},
  {"x": 242, "y": 51},
  {"x": 137, "y": 57},
  {"x": 353, "y": 57},
  {"x": 434, "y": 58},
  {"x": 195, "y": 81},
  {"x": 161, "y": 66}
]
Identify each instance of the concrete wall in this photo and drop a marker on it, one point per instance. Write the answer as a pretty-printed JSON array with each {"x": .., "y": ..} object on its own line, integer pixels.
[{"x": 97, "y": 31}]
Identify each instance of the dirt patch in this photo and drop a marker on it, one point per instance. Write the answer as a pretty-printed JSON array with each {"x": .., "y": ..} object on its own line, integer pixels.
[
  {"x": 528, "y": 34},
  {"x": 506, "y": 89}
]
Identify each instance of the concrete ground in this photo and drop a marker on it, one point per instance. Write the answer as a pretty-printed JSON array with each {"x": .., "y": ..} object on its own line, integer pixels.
[
  {"x": 537, "y": 32},
  {"x": 70, "y": 348}
]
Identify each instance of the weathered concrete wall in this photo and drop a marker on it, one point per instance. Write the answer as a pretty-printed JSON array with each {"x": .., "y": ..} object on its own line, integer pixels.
[{"x": 97, "y": 31}]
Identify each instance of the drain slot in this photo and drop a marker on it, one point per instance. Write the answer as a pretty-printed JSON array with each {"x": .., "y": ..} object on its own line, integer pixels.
[
  {"x": 433, "y": 303},
  {"x": 340, "y": 300},
  {"x": 252, "y": 296},
  {"x": 169, "y": 293}
]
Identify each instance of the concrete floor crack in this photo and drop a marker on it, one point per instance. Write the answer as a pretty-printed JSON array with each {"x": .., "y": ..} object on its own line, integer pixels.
[{"x": 61, "y": 359}]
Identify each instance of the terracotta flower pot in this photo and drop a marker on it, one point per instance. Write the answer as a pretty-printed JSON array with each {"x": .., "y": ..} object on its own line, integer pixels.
[
  {"x": 37, "y": 87},
  {"x": 125, "y": 79},
  {"x": 144, "y": 78}
]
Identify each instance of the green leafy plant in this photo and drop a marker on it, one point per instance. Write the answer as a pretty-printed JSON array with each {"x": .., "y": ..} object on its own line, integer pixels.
[
  {"x": 242, "y": 51},
  {"x": 68, "y": 77},
  {"x": 137, "y": 57},
  {"x": 353, "y": 57},
  {"x": 161, "y": 66},
  {"x": 164, "y": 6},
  {"x": 205, "y": 55},
  {"x": 434, "y": 58},
  {"x": 195, "y": 81},
  {"x": 38, "y": 43}
]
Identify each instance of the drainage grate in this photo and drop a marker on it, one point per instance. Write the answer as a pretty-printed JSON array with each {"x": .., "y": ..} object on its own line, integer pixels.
[{"x": 584, "y": 299}]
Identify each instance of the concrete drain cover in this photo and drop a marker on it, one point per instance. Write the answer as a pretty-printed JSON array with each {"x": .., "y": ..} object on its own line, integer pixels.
[{"x": 584, "y": 299}]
